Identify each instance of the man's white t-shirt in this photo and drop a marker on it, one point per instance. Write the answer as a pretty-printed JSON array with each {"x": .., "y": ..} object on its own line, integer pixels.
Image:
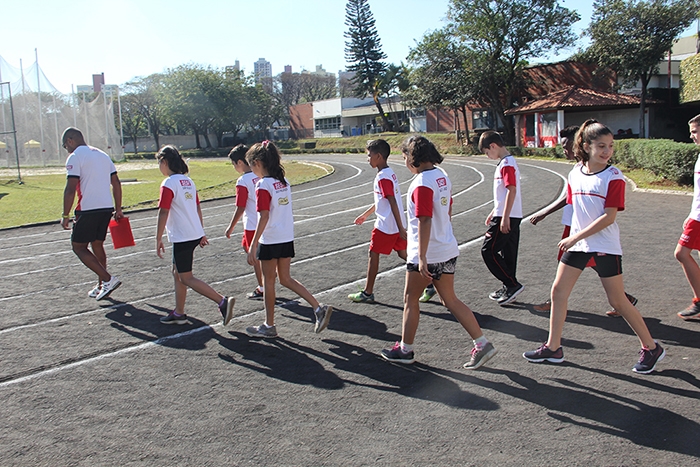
[{"x": 94, "y": 168}]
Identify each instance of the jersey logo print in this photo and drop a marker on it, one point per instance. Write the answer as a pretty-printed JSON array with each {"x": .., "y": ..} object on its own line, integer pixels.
[
  {"x": 279, "y": 185},
  {"x": 443, "y": 201},
  {"x": 441, "y": 182},
  {"x": 188, "y": 195},
  {"x": 185, "y": 183},
  {"x": 283, "y": 201}
]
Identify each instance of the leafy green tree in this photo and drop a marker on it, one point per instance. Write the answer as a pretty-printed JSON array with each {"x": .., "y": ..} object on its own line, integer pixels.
[
  {"x": 133, "y": 121},
  {"x": 188, "y": 92},
  {"x": 363, "y": 52},
  {"x": 631, "y": 37},
  {"x": 146, "y": 97},
  {"x": 501, "y": 37},
  {"x": 441, "y": 74}
]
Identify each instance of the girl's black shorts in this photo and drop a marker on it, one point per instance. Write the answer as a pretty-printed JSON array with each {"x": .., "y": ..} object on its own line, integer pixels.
[
  {"x": 604, "y": 264},
  {"x": 183, "y": 254},
  {"x": 275, "y": 251}
]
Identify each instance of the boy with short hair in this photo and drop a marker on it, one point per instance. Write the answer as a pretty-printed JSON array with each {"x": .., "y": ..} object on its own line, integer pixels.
[
  {"x": 389, "y": 232},
  {"x": 690, "y": 238},
  {"x": 500, "y": 247},
  {"x": 245, "y": 208}
]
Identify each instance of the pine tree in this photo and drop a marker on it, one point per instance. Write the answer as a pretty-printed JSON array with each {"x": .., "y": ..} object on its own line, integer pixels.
[{"x": 363, "y": 52}]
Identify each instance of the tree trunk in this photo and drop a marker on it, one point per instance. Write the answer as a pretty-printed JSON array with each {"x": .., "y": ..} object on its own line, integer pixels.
[
  {"x": 386, "y": 126},
  {"x": 642, "y": 105},
  {"x": 466, "y": 125},
  {"x": 196, "y": 138},
  {"x": 205, "y": 133}
]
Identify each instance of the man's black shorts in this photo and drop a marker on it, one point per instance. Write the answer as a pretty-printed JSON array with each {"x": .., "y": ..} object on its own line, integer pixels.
[
  {"x": 604, "y": 264},
  {"x": 90, "y": 226}
]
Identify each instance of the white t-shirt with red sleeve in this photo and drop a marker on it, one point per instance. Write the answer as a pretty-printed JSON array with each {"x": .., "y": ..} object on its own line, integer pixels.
[
  {"x": 94, "y": 168},
  {"x": 179, "y": 194},
  {"x": 245, "y": 197},
  {"x": 507, "y": 174},
  {"x": 695, "y": 209},
  {"x": 276, "y": 197},
  {"x": 430, "y": 194},
  {"x": 386, "y": 183},
  {"x": 590, "y": 195}
]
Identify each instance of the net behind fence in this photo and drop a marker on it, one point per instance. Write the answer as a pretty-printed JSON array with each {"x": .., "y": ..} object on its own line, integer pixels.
[{"x": 40, "y": 114}]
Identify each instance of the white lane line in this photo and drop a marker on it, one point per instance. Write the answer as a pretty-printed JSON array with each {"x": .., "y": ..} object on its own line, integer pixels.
[{"x": 163, "y": 340}]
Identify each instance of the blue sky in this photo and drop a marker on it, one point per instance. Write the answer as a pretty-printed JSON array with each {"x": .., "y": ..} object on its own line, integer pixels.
[{"x": 128, "y": 38}]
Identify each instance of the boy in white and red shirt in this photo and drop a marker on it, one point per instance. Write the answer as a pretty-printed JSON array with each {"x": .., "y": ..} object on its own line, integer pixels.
[
  {"x": 690, "y": 238},
  {"x": 245, "y": 208},
  {"x": 500, "y": 247},
  {"x": 389, "y": 233}
]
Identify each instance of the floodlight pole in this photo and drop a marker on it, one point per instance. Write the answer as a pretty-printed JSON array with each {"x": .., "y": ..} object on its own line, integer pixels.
[{"x": 14, "y": 130}]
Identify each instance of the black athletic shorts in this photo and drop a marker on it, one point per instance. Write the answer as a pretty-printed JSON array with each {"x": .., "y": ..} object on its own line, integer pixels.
[
  {"x": 604, "y": 264},
  {"x": 275, "y": 251},
  {"x": 90, "y": 226},
  {"x": 183, "y": 255},
  {"x": 437, "y": 269}
]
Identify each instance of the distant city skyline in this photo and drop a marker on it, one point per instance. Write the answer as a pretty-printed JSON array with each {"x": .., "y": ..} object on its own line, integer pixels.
[{"x": 132, "y": 38}]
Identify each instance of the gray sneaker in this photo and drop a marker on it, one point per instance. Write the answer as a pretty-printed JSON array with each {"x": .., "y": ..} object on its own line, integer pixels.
[
  {"x": 261, "y": 331},
  {"x": 480, "y": 356},
  {"x": 323, "y": 316}
]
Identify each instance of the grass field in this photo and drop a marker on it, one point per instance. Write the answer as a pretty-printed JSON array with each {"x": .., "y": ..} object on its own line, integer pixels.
[{"x": 40, "y": 197}]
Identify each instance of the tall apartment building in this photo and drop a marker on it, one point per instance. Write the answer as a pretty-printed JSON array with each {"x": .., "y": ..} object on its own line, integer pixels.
[{"x": 262, "y": 69}]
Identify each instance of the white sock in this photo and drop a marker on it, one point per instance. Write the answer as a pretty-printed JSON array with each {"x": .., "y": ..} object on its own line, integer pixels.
[
  {"x": 405, "y": 348},
  {"x": 480, "y": 342},
  {"x": 267, "y": 325}
]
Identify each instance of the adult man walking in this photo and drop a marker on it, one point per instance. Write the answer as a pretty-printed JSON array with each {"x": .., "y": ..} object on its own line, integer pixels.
[{"x": 90, "y": 174}]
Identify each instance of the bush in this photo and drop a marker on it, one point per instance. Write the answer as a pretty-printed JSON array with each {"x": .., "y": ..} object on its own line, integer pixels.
[{"x": 664, "y": 158}]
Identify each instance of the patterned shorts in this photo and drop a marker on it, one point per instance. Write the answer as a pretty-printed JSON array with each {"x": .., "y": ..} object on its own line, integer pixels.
[{"x": 436, "y": 269}]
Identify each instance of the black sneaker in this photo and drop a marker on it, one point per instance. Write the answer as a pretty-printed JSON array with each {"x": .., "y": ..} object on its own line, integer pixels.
[
  {"x": 226, "y": 309},
  {"x": 497, "y": 294},
  {"x": 172, "y": 318},
  {"x": 648, "y": 359},
  {"x": 692, "y": 313},
  {"x": 395, "y": 354},
  {"x": 510, "y": 294},
  {"x": 544, "y": 353},
  {"x": 256, "y": 294}
]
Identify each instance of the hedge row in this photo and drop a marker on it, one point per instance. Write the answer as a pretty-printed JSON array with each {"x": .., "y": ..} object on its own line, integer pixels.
[{"x": 665, "y": 158}]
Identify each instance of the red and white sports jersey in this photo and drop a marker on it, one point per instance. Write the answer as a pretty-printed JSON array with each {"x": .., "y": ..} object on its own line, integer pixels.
[
  {"x": 94, "y": 168},
  {"x": 507, "y": 174},
  {"x": 245, "y": 197},
  {"x": 695, "y": 209},
  {"x": 386, "y": 184},
  {"x": 590, "y": 194},
  {"x": 430, "y": 194},
  {"x": 568, "y": 211},
  {"x": 179, "y": 194},
  {"x": 276, "y": 197}
]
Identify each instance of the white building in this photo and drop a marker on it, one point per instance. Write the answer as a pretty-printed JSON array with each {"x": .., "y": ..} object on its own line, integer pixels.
[{"x": 262, "y": 69}]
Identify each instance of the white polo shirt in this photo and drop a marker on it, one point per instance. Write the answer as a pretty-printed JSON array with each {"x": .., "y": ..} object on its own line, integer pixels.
[{"x": 507, "y": 174}]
